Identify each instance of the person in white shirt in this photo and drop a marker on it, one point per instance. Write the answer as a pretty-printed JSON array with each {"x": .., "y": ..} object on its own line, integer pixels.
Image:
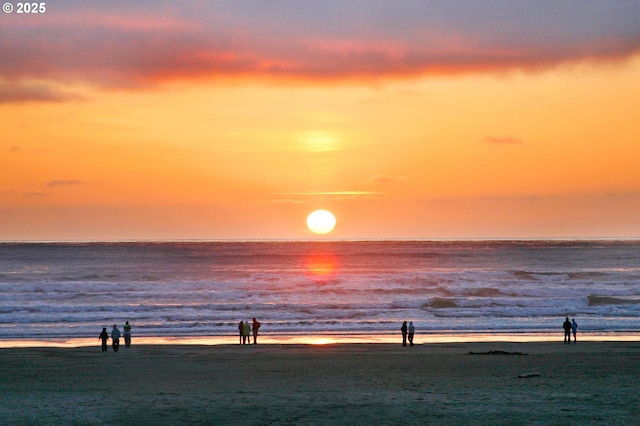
[
  {"x": 127, "y": 334},
  {"x": 115, "y": 337}
]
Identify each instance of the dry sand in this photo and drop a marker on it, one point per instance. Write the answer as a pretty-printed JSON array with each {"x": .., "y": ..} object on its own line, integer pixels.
[{"x": 586, "y": 383}]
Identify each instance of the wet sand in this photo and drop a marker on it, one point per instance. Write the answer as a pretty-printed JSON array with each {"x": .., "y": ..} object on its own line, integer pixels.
[{"x": 448, "y": 383}]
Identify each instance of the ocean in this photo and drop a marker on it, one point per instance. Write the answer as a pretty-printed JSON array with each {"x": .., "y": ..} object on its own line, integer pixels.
[{"x": 51, "y": 291}]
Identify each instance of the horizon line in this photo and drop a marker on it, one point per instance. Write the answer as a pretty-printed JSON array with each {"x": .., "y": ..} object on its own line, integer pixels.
[{"x": 309, "y": 240}]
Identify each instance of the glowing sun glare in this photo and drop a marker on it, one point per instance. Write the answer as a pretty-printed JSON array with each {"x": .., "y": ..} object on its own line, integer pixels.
[{"x": 321, "y": 222}]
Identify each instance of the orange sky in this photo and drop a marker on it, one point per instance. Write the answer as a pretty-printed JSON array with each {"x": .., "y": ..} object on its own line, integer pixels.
[{"x": 98, "y": 143}]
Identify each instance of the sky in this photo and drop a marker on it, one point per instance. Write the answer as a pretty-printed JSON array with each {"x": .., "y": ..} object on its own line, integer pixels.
[{"x": 235, "y": 119}]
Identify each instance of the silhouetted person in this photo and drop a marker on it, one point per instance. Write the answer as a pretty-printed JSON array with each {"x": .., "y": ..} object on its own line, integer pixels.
[
  {"x": 567, "y": 330},
  {"x": 403, "y": 329},
  {"x": 127, "y": 334},
  {"x": 574, "y": 329},
  {"x": 115, "y": 338},
  {"x": 246, "y": 333},
  {"x": 254, "y": 327},
  {"x": 104, "y": 336},
  {"x": 411, "y": 331},
  {"x": 241, "y": 331}
]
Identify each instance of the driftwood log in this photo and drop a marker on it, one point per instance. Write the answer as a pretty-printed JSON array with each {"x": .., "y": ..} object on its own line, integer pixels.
[{"x": 528, "y": 375}]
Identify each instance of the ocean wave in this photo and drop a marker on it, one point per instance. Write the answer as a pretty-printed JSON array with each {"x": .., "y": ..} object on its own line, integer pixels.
[
  {"x": 441, "y": 303},
  {"x": 542, "y": 275},
  {"x": 588, "y": 274},
  {"x": 608, "y": 300},
  {"x": 92, "y": 277},
  {"x": 484, "y": 292}
]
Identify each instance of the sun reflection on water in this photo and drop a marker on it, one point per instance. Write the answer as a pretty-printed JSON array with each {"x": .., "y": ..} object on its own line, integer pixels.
[
  {"x": 320, "y": 339},
  {"x": 320, "y": 265}
]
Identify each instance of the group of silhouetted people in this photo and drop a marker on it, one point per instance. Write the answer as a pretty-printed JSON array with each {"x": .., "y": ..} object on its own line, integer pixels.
[
  {"x": 408, "y": 332},
  {"x": 245, "y": 330},
  {"x": 115, "y": 337},
  {"x": 570, "y": 327}
]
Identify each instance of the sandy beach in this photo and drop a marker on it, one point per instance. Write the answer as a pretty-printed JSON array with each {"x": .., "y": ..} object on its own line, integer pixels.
[{"x": 452, "y": 383}]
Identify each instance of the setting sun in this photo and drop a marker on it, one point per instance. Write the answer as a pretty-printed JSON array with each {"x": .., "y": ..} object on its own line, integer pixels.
[{"x": 321, "y": 222}]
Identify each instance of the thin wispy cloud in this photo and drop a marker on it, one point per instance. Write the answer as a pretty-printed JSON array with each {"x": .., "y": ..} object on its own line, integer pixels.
[
  {"x": 630, "y": 195},
  {"x": 385, "y": 178},
  {"x": 334, "y": 196},
  {"x": 284, "y": 201},
  {"x": 59, "y": 183},
  {"x": 18, "y": 92},
  {"x": 338, "y": 193}
]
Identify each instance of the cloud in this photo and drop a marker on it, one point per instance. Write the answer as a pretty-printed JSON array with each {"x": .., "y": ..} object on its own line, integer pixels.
[
  {"x": 622, "y": 195},
  {"x": 384, "y": 178},
  {"x": 502, "y": 140},
  {"x": 332, "y": 195},
  {"x": 336, "y": 193},
  {"x": 14, "y": 148},
  {"x": 104, "y": 46},
  {"x": 18, "y": 92},
  {"x": 539, "y": 198},
  {"x": 59, "y": 183},
  {"x": 283, "y": 201}
]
